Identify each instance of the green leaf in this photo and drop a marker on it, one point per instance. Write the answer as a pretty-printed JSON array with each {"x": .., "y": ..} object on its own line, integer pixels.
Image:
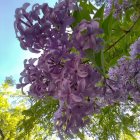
[
  {"x": 100, "y": 13},
  {"x": 83, "y": 13},
  {"x": 99, "y": 60},
  {"x": 90, "y": 54},
  {"x": 107, "y": 25},
  {"x": 79, "y": 16},
  {"x": 88, "y": 6},
  {"x": 120, "y": 1}
]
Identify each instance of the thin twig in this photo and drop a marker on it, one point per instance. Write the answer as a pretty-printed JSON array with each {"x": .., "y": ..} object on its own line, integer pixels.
[
  {"x": 2, "y": 135},
  {"x": 122, "y": 35}
]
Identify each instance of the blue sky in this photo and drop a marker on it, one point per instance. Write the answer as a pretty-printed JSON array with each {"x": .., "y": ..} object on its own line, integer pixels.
[{"x": 11, "y": 55}]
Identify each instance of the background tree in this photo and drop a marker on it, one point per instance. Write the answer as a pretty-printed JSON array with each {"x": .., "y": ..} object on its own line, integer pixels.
[{"x": 9, "y": 115}]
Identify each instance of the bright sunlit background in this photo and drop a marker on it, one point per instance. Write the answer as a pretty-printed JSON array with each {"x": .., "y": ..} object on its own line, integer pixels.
[{"x": 11, "y": 55}]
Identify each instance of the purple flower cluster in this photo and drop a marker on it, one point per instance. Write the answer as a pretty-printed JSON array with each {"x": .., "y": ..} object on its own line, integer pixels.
[
  {"x": 117, "y": 7},
  {"x": 76, "y": 90},
  {"x": 43, "y": 27},
  {"x": 135, "y": 49},
  {"x": 124, "y": 80},
  {"x": 84, "y": 37},
  {"x": 59, "y": 72}
]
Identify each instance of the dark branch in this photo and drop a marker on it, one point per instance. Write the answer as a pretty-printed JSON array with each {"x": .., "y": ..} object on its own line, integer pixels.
[
  {"x": 1, "y": 133},
  {"x": 126, "y": 32}
]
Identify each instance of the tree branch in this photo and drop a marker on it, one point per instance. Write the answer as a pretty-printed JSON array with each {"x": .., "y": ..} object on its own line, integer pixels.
[
  {"x": 1, "y": 133},
  {"x": 126, "y": 32}
]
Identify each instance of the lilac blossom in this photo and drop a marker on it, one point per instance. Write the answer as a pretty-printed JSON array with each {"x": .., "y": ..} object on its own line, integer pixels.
[
  {"x": 117, "y": 7},
  {"x": 33, "y": 76},
  {"x": 42, "y": 27},
  {"x": 135, "y": 49},
  {"x": 85, "y": 36},
  {"x": 61, "y": 73},
  {"x": 77, "y": 92},
  {"x": 124, "y": 80}
]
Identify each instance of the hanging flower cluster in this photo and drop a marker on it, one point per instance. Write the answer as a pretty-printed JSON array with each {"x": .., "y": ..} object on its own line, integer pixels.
[
  {"x": 125, "y": 76},
  {"x": 59, "y": 72},
  {"x": 62, "y": 73}
]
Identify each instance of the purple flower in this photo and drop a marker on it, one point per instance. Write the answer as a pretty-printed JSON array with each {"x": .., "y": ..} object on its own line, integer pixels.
[
  {"x": 117, "y": 7},
  {"x": 62, "y": 74},
  {"x": 75, "y": 81},
  {"x": 59, "y": 72},
  {"x": 85, "y": 36},
  {"x": 43, "y": 27},
  {"x": 124, "y": 80},
  {"x": 34, "y": 77},
  {"x": 135, "y": 49}
]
